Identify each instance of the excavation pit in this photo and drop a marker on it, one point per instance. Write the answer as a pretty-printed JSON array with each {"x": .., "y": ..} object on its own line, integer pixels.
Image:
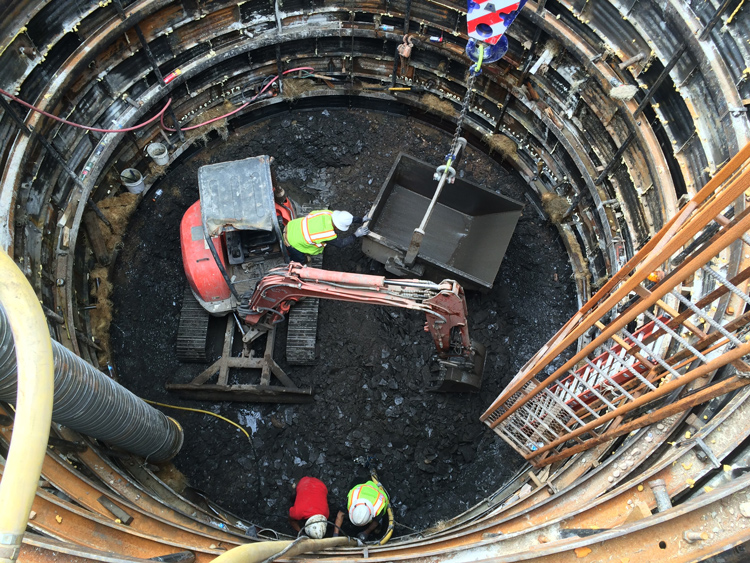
[{"x": 374, "y": 366}]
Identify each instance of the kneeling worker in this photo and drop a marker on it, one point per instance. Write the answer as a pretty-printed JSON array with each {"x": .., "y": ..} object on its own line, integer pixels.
[
  {"x": 366, "y": 504},
  {"x": 311, "y": 505},
  {"x": 309, "y": 235}
]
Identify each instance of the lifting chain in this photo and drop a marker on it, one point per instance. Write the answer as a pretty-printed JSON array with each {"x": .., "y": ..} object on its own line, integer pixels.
[
  {"x": 462, "y": 113},
  {"x": 474, "y": 71}
]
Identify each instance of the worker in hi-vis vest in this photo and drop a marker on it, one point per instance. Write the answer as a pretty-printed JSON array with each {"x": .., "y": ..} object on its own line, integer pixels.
[
  {"x": 365, "y": 504},
  {"x": 310, "y": 234}
]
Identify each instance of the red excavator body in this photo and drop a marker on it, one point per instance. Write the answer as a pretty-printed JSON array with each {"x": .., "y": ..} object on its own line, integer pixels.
[{"x": 202, "y": 273}]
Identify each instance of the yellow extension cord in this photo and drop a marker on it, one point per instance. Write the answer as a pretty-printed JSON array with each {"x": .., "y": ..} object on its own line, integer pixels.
[{"x": 201, "y": 411}]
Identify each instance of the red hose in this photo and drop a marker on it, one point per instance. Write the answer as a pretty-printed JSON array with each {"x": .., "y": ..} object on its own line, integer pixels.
[
  {"x": 243, "y": 106},
  {"x": 159, "y": 115},
  {"x": 61, "y": 120}
]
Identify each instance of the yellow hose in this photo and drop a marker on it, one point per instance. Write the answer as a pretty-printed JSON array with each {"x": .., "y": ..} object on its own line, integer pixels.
[
  {"x": 201, "y": 411},
  {"x": 260, "y": 551},
  {"x": 731, "y": 17},
  {"x": 389, "y": 531},
  {"x": 33, "y": 405}
]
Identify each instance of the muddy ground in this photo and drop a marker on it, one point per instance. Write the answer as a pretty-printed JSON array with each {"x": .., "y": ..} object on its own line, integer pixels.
[{"x": 432, "y": 453}]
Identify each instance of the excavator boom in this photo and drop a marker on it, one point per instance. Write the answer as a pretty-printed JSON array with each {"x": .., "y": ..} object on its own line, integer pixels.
[{"x": 444, "y": 305}]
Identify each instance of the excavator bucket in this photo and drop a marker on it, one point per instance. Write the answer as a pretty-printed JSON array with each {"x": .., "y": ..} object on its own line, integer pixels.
[{"x": 460, "y": 376}]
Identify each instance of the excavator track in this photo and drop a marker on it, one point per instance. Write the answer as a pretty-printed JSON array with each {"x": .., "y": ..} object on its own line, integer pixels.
[
  {"x": 302, "y": 328},
  {"x": 192, "y": 331}
]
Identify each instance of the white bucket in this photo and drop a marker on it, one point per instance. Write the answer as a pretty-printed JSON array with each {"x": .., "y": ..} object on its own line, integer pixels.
[
  {"x": 132, "y": 180},
  {"x": 159, "y": 153}
]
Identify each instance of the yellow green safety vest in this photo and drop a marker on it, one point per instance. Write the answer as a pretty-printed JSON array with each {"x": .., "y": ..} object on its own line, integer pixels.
[
  {"x": 369, "y": 491},
  {"x": 310, "y": 233}
]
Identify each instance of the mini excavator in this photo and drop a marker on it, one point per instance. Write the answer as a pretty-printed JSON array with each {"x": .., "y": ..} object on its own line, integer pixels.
[{"x": 236, "y": 266}]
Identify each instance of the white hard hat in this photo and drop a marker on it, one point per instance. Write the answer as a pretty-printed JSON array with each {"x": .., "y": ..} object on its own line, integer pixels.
[
  {"x": 315, "y": 527},
  {"x": 342, "y": 220},
  {"x": 361, "y": 512}
]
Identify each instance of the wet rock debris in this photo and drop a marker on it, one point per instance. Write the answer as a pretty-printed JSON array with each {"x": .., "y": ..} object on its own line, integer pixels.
[{"x": 370, "y": 398}]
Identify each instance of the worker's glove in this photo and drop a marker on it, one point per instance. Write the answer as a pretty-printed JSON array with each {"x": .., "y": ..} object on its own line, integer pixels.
[
  {"x": 362, "y": 231},
  {"x": 366, "y": 218},
  {"x": 362, "y": 536}
]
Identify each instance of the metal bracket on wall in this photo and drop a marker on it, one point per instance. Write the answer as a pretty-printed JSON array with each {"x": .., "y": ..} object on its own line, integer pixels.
[
  {"x": 56, "y": 156},
  {"x": 615, "y": 159},
  {"x": 714, "y": 20},
  {"x": 149, "y": 53},
  {"x": 662, "y": 76}
]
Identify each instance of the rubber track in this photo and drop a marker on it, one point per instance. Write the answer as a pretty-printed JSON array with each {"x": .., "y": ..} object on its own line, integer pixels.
[
  {"x": 302, "y": 328},
  {"x": 192, "y": 331}
]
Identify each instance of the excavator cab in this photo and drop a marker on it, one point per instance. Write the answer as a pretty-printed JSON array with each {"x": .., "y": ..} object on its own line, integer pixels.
[{"x": 242, "y": 214}]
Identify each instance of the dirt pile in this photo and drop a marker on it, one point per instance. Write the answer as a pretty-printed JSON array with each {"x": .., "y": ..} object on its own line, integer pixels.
[
  {"x": 371, "y": 402},
  {"x": 501, "y": 144},
  {"x": 294, "y": 87},
  {"x": 438, "y": 104},
  {"x": 117, "y": 210},
  {"x": 556, "y": 206}
]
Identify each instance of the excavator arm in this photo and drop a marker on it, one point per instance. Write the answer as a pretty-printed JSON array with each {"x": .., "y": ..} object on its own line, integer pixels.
[{"x": 444, "y": 305}]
